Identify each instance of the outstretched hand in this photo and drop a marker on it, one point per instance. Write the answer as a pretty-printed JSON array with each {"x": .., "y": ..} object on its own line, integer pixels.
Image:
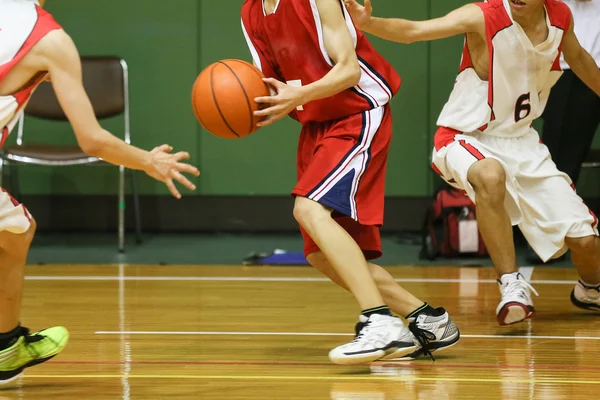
[
  {"x": 166, "y": 167},
  {"x": 360, "y": 14}
]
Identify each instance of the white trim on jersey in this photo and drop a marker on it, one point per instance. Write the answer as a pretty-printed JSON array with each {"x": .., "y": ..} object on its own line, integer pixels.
[
  {"x": 369, "y": 86},
  {"x": 357, "y": 160},
  {"x": 274, "y": 9},
  {"x": 317, "y": 17},
  {"x": 251, "y": 47},
  {"x": 349, "y": 24},
  {"x": 375, "y": 86}
]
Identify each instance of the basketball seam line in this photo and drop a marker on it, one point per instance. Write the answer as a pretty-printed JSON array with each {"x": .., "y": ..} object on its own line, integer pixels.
[
  {"x": 212, "y": 91},
  {"x": 245, "y": 95}
]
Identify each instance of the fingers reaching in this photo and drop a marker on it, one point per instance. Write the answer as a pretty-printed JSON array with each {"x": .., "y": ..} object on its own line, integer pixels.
[
  {"x": 173, "y": 189},
  {"x": 190, "y": 169}
]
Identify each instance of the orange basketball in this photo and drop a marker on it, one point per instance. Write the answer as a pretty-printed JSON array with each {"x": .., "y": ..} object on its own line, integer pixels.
[{"x": 223, "y": 98}]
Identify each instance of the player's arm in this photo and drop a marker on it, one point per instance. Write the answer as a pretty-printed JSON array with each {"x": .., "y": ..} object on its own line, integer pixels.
[
  {"x": 467, "y": 19},
  {"x": 345, "y": 73},
  {"x": 63, "y": 63},
  {"x": 580, "y": 61}
]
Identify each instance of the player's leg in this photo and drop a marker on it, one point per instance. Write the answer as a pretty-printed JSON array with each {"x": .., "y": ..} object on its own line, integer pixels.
[
  {"x": 434, "y": 322},
  {"x": 556, "y": 218},
  {"x": 488, "y": 179},
  {"x": 335, "y": 162},
  {"x": 585, "y": 252},
  {"x": 339, "y": 247},
  {"x": 18, "y": 348},
  {"x": 477, "y": 169},
  {"x": 395, "y": 296}
]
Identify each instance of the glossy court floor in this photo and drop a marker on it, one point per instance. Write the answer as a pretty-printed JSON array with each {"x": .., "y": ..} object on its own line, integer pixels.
[{"x": 201, "y": 332}]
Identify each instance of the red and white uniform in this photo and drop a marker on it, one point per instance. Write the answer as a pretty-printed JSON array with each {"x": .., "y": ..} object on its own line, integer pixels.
[
  {"x": 22, "y": 24},
  {"x": 345, "y": 138},
  {"x": 493, "y": 119}
]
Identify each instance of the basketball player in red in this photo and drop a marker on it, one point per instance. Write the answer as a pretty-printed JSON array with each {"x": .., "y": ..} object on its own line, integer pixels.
[
  {"x": 33, "y": 47},
  {"x": 328, "y": 77},
  {"x": 486, "y": 144}
]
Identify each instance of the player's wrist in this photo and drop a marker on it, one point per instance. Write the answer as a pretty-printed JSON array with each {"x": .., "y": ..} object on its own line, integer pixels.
[{"x": 369, "y": 24}]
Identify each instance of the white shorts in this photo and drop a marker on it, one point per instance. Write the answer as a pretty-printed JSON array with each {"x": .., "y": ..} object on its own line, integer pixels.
[
  {"x": 14, "y": 217},
  {"x": 541, "y": 200}
]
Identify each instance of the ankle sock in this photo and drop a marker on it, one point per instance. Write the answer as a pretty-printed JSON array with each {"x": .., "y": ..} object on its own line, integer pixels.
[
  {"x": 589, "y": 285},
  {"x": 382, "y": 310},
  {"x": 426, "y": 308},
  {"x": 7, "y": 339}
]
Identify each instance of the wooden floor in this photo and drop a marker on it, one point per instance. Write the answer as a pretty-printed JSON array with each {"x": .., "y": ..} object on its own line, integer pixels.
[{"x": 193, "y": 332}]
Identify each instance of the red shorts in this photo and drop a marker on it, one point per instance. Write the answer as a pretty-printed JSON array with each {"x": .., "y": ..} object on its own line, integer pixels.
[{"x": 341, "y": 164}]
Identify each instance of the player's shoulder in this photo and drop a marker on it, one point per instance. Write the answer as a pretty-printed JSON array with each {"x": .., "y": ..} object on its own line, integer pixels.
[
  {"x": 57, "y": 47},
  {"x": 559, "y": 14},
  {"x": 490, "y": 5},
  {"x": 250, "y": 6},
  {"x": 495, "y": 15}
]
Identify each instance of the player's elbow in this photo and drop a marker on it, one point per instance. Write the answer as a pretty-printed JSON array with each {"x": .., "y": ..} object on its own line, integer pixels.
[
  {"x": 353, "y": 74},
  {"x": 90, "y": 145}
]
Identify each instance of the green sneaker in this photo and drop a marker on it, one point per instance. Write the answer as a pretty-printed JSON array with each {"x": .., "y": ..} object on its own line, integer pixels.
[{"x": 30, "y": 350}]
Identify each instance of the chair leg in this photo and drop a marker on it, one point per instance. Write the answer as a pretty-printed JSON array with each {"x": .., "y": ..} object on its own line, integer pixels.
[
  {"x": 136, "y": 205},
  {"x": 121, "y": 209}
]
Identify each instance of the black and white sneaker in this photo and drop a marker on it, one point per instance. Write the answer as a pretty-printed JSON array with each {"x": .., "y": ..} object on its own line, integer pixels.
[
  {"x": 586, "y": 297},
  {"x": 433, "y": 332},
  {"x": 380, "y": 336}
]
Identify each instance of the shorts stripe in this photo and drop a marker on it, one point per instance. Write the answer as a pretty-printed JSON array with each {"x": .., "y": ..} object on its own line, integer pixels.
[
  {"x": 474, "y": 152},
  {"x": 363, "y": 167},
  {"x": 356, "y": 159},
  {"x": 317, "y": 189}
]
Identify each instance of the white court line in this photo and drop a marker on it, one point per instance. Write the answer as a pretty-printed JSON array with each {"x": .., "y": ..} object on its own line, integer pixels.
[
  {"x": 268, "y": 279},
  {"x": 328, "y": 334}
]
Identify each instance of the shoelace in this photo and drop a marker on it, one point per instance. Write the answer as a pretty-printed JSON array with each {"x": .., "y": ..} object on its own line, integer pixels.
[
  {"x": 422, "y": 337},
  {"x": 516, "y": 286}
]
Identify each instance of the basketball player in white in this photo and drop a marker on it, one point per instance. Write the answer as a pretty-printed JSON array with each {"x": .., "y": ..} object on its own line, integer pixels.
[
  {"x": 33, "y": 47},
  {"x": 486, "y": 146}
]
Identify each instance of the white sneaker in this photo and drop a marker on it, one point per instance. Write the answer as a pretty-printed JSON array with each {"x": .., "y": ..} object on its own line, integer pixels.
[
  {"x": 381, "y": 335},
  {"x": 434, "y": 332},
  {"x": 586, "y": 297},
  {"x": 516, "y": 304}
]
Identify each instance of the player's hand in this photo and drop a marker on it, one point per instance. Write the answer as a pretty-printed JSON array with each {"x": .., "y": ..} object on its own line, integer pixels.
[
  {"x": 166, "y": 167},
  {"x": 280, "y": 105},
  {"x": 360, "y": 14}
]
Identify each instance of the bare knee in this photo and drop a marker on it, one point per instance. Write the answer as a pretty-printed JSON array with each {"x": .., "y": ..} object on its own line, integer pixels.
[
  {"x": 17, "y": 244},
  {"x": 586, "y": 246},
  {"x": 308, "y": 213},
  {"x": 489, "y": 181}
]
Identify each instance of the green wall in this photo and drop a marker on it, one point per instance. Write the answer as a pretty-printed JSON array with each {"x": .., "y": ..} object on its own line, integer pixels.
[{"x": 167, "y": 43}]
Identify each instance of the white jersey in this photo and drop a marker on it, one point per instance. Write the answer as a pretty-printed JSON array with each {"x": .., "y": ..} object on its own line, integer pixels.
[
  {"x": 520, "y": 75},
  {"x": 22, "y": 24}
]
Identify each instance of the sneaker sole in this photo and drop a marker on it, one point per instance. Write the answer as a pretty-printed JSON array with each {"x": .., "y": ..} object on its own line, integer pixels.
[
  {"x": 522, "y": 312},
  {"x": 582, "y": 305},
  {"x": 435, "y": 347},
  {"x": 391, "y": 351},
  {"x": 13, "y": 378}
]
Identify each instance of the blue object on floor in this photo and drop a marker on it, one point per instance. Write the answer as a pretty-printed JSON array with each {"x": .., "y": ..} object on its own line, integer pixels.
[{"x": 277, "y": 257}]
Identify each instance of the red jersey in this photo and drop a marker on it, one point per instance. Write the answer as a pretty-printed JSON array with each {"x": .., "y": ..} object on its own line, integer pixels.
[{"x": 288, "y": 45}]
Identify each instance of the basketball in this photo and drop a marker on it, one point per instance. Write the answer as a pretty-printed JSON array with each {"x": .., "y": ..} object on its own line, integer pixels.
[{"x": 223, "y": 98}]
